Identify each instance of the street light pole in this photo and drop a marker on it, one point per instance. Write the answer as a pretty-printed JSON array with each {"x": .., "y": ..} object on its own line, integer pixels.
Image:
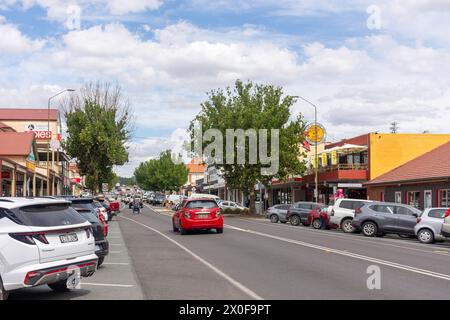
[
  {"x": 316, "y": 164},
  {"x": 48, "y": 136}
]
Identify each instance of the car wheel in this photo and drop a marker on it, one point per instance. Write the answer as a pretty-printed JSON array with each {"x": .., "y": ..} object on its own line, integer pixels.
[
  {"x": 425, "y": 236},
  {"x": 182, "y": 230},
  {"x": 60, "y": 286},
  {"x": 274, "y": 218},
  {"x": 295, "y": 220},
  {"x": 100, "y": 261},
  {"x": 175, "y": 229},
  {"x": 219, "y": 230},
  {"x": 317, "y": 224},
  {"x": 369, "y": 229},
  {"x": 3, "y": 293},
  {"x": 347, "y": 227}
]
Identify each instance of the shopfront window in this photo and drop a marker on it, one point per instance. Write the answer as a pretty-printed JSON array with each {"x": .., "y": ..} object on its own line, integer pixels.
[
  {"x": 282, "y": 196},
  {"x": 414, "y": 199},
  {"x": 444, "y": 198}
]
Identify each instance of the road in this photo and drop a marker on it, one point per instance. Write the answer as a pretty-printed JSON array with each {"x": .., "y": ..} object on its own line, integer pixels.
[{"x": 254, "y": 259}]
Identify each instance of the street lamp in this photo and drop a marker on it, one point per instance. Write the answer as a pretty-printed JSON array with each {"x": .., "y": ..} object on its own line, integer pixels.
[
  {"x": 316, "y": 191},
  {"x": 48, "y": 135}
]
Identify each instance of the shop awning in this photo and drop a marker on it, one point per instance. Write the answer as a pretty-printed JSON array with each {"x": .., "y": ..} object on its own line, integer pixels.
[{"x": 346, "y": 148}]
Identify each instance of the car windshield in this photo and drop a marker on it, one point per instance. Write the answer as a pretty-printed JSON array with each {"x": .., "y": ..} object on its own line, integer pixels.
[
  {"x": 202, "y": 204},
  {"x": 88, "y": 215},
  {"x": 49, "y": 215}
]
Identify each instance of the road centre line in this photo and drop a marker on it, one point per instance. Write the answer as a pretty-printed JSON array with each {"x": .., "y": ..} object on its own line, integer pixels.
[
  {"x": 349, "y": 254},
  {"x": 219, "y": 272}
]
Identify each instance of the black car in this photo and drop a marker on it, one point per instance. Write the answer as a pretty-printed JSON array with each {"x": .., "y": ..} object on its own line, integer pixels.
[
  {"x": 101, "y": 244},
  {"x": 299, "y": 211}
]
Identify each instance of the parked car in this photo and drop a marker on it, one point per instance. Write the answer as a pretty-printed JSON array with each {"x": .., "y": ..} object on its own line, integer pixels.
[
  {"x": 197, "y": 214},
  {"x": 43, "y": 241},
  {"x": 429, "y": 225},
  {"x": 204, "y": 195},
  {"x": 380, "y": 218},
  {"x": 175, "y": 198},
  {"x": 230, "y": 205},
  {"x": 343, "y": 211},
  {"x": 446, "y": 225},
  {"x": 158, "y": 199},
  {"x": 101, "y": 244},
  {"x": 91, "y": 204},
  {"x": 114, "y": 208},
  {"x": 318, "y": 218},
  {"x": 277, "y": 213},
  {"x": 299, "y": 211}
]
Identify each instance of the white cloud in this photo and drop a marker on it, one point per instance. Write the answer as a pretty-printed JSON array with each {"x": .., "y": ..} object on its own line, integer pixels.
[{"x": 12, "y": 41}]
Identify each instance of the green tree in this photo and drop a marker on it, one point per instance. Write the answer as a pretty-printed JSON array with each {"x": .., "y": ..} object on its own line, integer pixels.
[
  {"x": 254, "y": 106},
  {"x": 161, "y": 174},
  {"x": 98, "y": 128}
]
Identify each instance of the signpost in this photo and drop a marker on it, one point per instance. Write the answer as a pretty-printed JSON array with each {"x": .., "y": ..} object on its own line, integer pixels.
[{"x": 315, "y": 135}]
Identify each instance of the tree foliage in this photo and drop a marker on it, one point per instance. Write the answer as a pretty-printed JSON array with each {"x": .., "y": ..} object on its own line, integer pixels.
[
  {"x": 98, "y": 127},
  {"x": 254, "y": 106},
  {"x": 161, "y": 174}
]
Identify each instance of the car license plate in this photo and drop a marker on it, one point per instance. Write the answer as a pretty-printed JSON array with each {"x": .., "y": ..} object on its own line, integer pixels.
[
  {"x": 203, "y": 216},
  {"x": 70, "y": 237}
]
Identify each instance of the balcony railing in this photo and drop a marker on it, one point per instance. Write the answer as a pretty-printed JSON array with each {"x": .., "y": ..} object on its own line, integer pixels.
[{"x": 340, "y": 166}]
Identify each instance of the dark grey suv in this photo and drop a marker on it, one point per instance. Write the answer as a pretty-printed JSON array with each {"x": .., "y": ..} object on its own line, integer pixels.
[
  {"x": 299, "y": 211},
  {"x": 379, "y": 218}
]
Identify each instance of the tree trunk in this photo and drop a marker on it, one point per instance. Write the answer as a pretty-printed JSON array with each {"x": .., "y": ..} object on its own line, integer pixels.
[{"x": 252, "y": 206}]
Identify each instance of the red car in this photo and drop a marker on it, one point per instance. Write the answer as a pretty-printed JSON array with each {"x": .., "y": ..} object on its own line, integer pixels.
[
  {"x": 319, "y": 219},
  {"x": 198, "y": 214}
]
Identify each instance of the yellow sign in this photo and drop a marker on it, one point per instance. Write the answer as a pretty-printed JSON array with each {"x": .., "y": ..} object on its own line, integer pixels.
[
  {"x": 324, "y": 160},
  {"x": 31, "y": 166},
  {"x": 315, "y": 134},
  {"x": 333, "y": 158}
]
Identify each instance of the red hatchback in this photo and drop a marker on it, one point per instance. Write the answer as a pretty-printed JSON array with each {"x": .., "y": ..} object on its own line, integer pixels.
[{"x": 198, "y": 214}]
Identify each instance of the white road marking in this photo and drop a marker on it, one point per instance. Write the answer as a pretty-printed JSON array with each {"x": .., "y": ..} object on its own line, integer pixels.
[
  {"x": 349, "y": 254},
  {"x": 107, "y": 285},
  {"x": 328, "y": 233},
  {"x": 115, "y": 244},
  {"x": 234, "y": 282}
]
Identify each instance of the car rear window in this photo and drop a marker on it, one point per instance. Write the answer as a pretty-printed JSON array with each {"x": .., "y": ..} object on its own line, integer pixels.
[
  {"x": 352, "y": 205},
  {"x": 202, "y": 204},
  {"x": 437, "y": 213},
  {"x": 51, "y": 215},
  {"x": 84, "y": 205},
  {"x": 88, "y": 215}
]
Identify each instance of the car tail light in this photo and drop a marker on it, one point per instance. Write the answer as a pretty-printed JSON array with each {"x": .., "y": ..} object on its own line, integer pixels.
[
  {"x": 418, "y": 220},
  {"x": 447, "y": 213},
  {"x": 218, "y": 213},
  {"x": 105, "y": 226},
  {"x": 29, "y": 237},
  {"x": 25, "y": 238},
  {"x": 358, "y": 211},
  {"x": 187, "y": 214},
  {"x": 332, "y": 212},
  {"x": 89, "y": 232}
]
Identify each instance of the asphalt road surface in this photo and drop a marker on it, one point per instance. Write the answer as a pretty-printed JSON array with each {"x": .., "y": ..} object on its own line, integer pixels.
[{"x": 254, "y": 259}]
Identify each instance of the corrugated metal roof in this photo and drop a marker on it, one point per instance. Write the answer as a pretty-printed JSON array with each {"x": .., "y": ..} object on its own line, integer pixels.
[{"x": 27, "y": 114}]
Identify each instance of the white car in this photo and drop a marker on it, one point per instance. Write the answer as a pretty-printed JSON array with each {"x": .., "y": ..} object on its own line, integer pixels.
[
  {"x": 230, "y": 205},
  {"x": 343, "y": 212},
  {"x": 43, "y": 242},
  {"x": 429, "y": 225}
]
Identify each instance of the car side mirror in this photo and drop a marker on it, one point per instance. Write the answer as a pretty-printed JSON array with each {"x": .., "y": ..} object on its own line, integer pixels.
[{"x": 415, "y": 215}]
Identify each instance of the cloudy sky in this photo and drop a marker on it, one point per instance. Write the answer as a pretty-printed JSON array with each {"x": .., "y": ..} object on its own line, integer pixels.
[{"x": 364, "y": 63}]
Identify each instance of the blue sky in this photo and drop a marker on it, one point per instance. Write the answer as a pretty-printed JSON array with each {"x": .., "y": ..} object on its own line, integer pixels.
[{"x": 167, "y": 54}]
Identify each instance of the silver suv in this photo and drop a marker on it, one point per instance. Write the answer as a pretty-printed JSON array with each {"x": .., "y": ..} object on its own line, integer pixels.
[
  {"x": 379, "y": 218},
  {"x": 429, "y": 226}
]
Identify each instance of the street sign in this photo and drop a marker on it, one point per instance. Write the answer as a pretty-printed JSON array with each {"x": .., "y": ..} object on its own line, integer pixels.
[
  {"x": 315, "y": 134},
  {"x": 105, "y": 187}
]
